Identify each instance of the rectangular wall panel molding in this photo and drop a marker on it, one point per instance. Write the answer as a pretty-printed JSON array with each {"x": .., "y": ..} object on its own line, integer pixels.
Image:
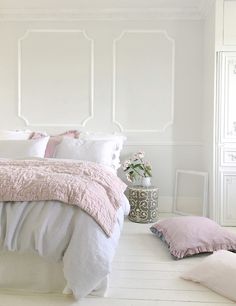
[
  {"x": 143, "y": 81},
  {"x": 55, "y": 78}
]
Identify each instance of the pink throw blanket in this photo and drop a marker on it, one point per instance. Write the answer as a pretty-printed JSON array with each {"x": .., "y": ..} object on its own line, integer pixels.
[{"x": 85, "y": 184}]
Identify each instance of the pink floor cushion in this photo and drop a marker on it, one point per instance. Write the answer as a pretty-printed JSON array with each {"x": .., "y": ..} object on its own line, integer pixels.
[{"x": 190, "y": 235}]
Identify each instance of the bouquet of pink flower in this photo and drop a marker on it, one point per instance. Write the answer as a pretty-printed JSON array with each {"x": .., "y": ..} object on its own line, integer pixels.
[{"x": 136, "y": 167}]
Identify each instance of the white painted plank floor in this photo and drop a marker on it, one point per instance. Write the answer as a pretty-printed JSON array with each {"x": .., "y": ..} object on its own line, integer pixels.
[{"x": 144, "y": 274}]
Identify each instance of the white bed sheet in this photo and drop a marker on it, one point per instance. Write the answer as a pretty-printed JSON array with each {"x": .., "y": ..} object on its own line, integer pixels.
[{"x": 61, "y": 234}]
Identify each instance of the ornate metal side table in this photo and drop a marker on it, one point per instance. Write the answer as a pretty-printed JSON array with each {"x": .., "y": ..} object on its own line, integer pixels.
[{"x": 143, "y": 204}]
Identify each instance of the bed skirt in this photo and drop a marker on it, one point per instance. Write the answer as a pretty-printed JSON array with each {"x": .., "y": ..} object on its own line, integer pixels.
[{"x": 32, "y": 273}]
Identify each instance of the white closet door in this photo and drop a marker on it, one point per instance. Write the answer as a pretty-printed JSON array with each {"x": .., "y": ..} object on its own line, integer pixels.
[
  {"x": 228, "y": 199},
  {"x": 228, "y": 97},
  {"x": 229, "y": 22},
  {"x": 226, "y": 142}
]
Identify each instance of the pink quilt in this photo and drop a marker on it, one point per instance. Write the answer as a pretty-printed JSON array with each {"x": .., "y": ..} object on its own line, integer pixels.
[{"x": 85, "y": 184}]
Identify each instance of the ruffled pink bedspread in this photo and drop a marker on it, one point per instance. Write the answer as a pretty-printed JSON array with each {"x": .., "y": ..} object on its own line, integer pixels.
[{"x": 87, "y": 185}]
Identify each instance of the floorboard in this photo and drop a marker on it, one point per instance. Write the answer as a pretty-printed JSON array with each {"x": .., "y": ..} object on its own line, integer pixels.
[{"x": 144, "y": 274}]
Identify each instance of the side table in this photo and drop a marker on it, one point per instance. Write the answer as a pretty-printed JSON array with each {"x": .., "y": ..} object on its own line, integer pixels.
[{"x": 143, "y": 204}]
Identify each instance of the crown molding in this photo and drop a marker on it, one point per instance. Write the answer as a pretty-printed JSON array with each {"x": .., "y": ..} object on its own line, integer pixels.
[{"x": 102, "y": 14}]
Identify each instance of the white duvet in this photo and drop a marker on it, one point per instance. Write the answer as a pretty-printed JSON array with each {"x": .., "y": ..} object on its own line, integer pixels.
[{"x": 64, "y": 233}]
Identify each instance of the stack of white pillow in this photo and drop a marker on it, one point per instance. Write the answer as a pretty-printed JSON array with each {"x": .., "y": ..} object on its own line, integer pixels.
[
  {"x": 16, "y": 144},
  {"x": 101, "y": 148}
]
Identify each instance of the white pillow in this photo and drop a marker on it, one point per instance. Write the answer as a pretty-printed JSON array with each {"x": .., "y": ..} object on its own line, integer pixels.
[
  {"x": 23, "y": 148},
  {"x": 217, "y": 272},
  {"x": 15, "y": 135},
  {"x": 119, "y": 139},
  {"x": 98, "y": 151}
]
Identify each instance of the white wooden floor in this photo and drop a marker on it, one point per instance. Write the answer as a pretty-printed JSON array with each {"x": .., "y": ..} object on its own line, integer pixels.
[{"x": 144, "y": 274}]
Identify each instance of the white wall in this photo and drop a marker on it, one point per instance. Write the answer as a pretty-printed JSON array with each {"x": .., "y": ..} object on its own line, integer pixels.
[
  {"x": 209, "y": 108},
  {"x": 67, "y": 79}
]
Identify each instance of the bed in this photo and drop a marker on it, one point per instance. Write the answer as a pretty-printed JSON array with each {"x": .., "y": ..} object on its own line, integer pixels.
[{"x": 47, "y": 245}]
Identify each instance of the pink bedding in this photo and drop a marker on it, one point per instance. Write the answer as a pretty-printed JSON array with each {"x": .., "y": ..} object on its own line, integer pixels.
[{"x": 85, "y": 184}]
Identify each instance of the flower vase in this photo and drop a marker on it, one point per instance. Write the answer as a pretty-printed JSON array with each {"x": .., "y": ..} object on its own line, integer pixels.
[
  {"x": 145, "y": 181},
  {"x": 137, "y": 182}
]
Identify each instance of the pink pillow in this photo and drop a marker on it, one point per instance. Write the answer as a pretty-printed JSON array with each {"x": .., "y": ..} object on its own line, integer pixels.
[
  {"x": 191, "y": 235},
  {"x": 55, "y": 140}
]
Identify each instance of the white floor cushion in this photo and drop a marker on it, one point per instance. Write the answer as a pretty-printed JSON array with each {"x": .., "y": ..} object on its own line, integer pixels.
[{"x": 217, "y": 272}]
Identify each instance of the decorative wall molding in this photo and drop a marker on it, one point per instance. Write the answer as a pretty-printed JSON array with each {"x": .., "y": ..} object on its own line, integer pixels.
[
  {"x": 205, "y": 7},
  {"x": 166, "y": 143},
  {"x": 227, "y": 184},
  {"x": 225, "y": 141},
  {"x": 91, "y": 106},
  {"x": 114, "y": 120},
  {"x": 227, "y": 73},
  {"x": 161, "y": 13}
]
